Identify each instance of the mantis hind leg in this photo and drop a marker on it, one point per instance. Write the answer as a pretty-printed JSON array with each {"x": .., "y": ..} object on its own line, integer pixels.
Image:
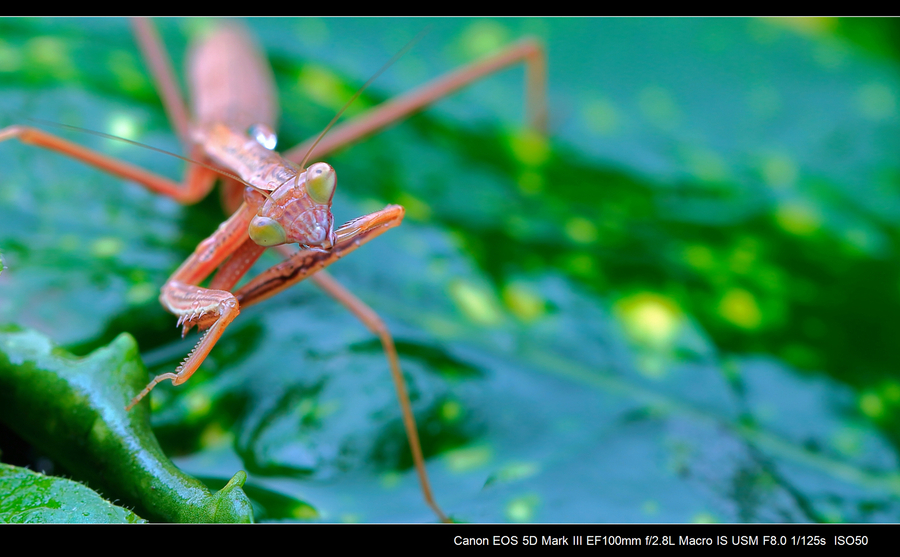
[
  {"x": 160, "y": 67},
  {"x": 376, "y": 325},
  {"x": 528, "y": 51}
]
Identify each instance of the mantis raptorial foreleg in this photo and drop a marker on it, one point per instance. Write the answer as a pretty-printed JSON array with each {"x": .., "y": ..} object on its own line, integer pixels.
[{"x": 215, "y": 307}]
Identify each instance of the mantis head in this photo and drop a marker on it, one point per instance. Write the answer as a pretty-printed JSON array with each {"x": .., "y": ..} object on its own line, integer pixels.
[{"x": 298, "y": 211}]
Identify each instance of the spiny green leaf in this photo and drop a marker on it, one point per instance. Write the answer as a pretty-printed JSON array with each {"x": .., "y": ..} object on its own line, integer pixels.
[
  {"x": 31, "y": 498},
  {"x": 74, "y": 410}
]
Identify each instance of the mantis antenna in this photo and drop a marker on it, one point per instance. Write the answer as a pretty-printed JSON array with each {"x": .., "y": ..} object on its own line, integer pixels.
[{"x": 387, "y": 65}]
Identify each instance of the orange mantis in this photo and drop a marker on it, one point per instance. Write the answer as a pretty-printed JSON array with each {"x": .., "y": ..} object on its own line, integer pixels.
[{"x": 273, "y": 202}]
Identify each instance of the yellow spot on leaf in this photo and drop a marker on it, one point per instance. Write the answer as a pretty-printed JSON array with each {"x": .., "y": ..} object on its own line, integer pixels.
[
  {"x": 476, "y": 302},
  {"x": 198, "y": 403},
  {"x": 322, "y": 86},
  {"x": 739, "y": 307},
  {"x": 650, "y": 319},
  {"x": 581, "y": 230},
  {"x": 798, "y": 218},
  {"x": 516, "y": 471},
  {"x": 529, "y": 147},
  {"x": 523, "y": 301},
  {"x": 483, "y": 37},
  {"x": 807, "y": 25},
  {"x": 50, "y": 55},
  {"x": 523, "y": 508},
  {"x": 451, "y": 410},
  {"x": 871, "y": 405},
  {"x": 107, "y": 247},
  {"x": 304, "y": 512},
  {"x": 468, "y": 458},
  {"x": 141, "y": 293},
  {"x": 123, "y": 125},
  {"x": 125, "y": 68},
  {"x": 215, "y": 436}
]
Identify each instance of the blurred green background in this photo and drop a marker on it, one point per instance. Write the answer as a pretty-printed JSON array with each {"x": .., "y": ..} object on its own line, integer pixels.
[{"x": 679, "y": 307}]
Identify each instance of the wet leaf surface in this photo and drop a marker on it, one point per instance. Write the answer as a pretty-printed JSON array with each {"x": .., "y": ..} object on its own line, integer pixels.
[
  {"x": 35, "y": 498},
  {"x": 676, "y": 308}
]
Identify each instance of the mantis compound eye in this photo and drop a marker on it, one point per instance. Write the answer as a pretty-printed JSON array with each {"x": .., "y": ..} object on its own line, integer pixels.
[
  {"x": 320, "y": 182},
  {"x": 266, "y": 232}
]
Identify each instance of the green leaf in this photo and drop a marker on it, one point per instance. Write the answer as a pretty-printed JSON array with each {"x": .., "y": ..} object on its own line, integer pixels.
[
  {"x": 74, "y": 410},
  {"x": 35, "y": 498}
]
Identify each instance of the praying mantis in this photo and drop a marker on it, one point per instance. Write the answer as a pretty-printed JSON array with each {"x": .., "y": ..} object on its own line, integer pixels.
[{"x": 274, "y": 201}]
